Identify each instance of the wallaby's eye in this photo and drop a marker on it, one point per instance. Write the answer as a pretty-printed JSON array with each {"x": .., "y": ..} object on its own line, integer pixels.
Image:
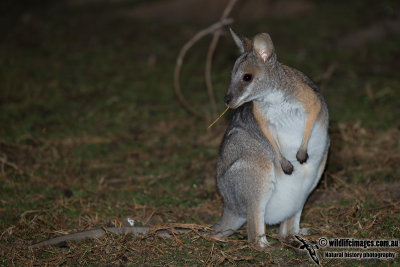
[{"x": 247, "y": 77}]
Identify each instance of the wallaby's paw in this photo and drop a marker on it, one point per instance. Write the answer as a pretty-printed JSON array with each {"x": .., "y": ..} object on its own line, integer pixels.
[
  {"x": 302, "y": 156},
  {"x": 262, "y": 243},
  {"x": 287, "y": 167}
]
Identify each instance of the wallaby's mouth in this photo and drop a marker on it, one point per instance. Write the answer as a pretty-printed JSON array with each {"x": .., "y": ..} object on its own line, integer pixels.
[
  {"x": 231, "y": 101},
  {"x": 228, "y": 99},
  {"x": 233, "y": 105}
]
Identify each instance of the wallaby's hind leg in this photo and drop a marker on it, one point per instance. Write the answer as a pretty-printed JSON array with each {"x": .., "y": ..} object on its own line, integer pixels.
[
  {"x": 291, "y": 226},
  {"x": 256, "y": 213},
  {"x": 247, "y": 200},
  {"x": 256, "y": 224},
  {"x": 228, "y": 224}
]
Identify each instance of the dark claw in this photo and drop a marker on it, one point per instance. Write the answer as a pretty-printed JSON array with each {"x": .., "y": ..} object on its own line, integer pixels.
[
  {"x": 287, "y": 167},
  {"x": 302, "y": 156}
]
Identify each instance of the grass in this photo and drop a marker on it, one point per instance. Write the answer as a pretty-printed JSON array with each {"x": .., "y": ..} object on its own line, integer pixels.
[{"x": 91, "y": 133}]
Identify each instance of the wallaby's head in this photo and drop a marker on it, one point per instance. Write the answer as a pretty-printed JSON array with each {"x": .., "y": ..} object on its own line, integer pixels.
[{"x": 253, "y": 72}]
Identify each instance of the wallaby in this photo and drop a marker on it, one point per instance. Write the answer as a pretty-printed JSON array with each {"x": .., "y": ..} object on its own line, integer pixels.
[
  {"x": 280, "y": 115},
  {"x": 275, "y": 148}
]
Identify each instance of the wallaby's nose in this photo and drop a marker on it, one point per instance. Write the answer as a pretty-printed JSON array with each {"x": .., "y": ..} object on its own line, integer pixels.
[{"x": 228, "y": 99}]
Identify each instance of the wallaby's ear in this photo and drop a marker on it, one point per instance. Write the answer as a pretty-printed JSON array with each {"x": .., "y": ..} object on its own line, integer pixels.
[
  {"x": 242, "y": 42},
  {"x": 263, "y": 46}
]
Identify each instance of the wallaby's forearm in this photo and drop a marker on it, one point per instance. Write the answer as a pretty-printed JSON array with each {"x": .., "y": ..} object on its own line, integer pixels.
[
  {"x": 262, "y": 122},
  {"x": 312, "y": 106}
]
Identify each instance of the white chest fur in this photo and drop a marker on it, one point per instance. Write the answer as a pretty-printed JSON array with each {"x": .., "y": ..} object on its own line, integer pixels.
[{"x": 286, "y": 121}]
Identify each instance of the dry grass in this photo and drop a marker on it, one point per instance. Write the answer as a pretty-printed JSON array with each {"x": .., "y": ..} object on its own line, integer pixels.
[{"x": 352, "y": 200}]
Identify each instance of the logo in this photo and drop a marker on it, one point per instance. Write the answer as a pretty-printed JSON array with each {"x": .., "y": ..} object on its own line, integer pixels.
[
  {"x": 311, "y": 249},
  {"x": 364, "y": 244}
]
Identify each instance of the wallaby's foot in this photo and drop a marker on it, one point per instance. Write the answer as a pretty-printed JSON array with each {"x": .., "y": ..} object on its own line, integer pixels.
[
  {"x": 287, "y": 167},
  {"x": 229, "y": 223},
  {"x": 302, "y": 155},
  {"x": 262, "y": 243}
]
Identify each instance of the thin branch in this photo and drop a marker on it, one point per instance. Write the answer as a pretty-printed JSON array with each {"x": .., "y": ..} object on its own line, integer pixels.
[
  {"x": 210, "y": 54},
  {"x": 181, "y": 56}
]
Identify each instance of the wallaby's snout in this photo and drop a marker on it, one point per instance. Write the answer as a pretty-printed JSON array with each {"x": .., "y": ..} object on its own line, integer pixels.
[
  {"x": 228, "y": 99},
  {"x": 236, "y": 94},
  {"x": 232, "y": 98}
]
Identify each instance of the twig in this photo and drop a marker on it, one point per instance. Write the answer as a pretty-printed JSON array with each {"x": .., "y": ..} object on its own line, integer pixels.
[
  {"x": 23, "y": 215},
  {"x": 95, "y": 233},
  {"x": 181, "y": 56},
  {"x": 160, "y": 231},
  {"x": 222, "y": 114},
  {"x": 210, "y": 254},
  {"x": 210, "y": 54}
]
